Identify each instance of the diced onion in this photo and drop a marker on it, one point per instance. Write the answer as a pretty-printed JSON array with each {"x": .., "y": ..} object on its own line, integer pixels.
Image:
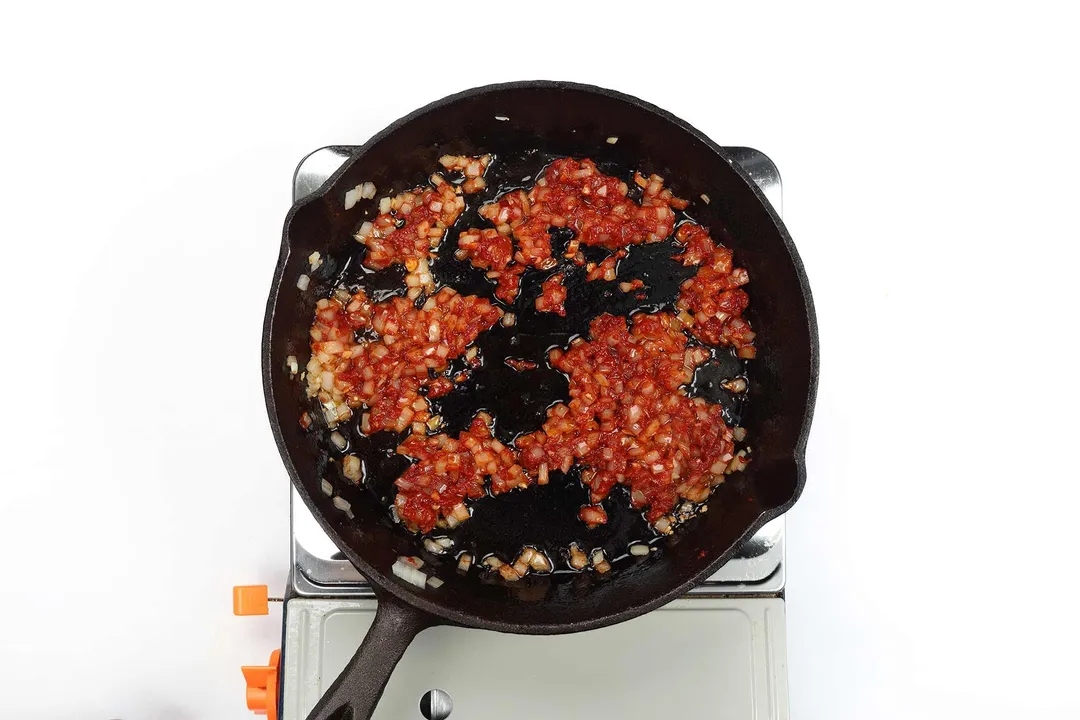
[
  {"x": 509, "y": 573},
  {"x": 433, "y": 547},
  {"x": 303, "y": 282},
  {"x": 738, "y": 385},
  {"x": 344, "y": 505},
  {"x": 540, "y": 563},
  {"x": 351, "y": 467},
  {"x": 409, "y": 574},
  {"x": 578, "y": 561}
]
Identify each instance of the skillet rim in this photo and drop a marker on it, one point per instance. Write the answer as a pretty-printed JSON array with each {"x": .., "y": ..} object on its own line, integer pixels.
[{"x": 382, "y": 582}]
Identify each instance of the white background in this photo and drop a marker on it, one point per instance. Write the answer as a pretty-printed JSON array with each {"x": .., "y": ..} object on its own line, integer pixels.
[{"x": 929, "y": 158}]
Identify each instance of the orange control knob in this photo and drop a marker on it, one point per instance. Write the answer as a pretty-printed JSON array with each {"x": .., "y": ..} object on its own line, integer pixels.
[
  {"x": 262, "y": 686},
  {"x": 250, "y": 600}
]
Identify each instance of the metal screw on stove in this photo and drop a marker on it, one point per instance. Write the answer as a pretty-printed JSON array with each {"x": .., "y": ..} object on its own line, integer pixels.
[{"x": 436, "y": 704}]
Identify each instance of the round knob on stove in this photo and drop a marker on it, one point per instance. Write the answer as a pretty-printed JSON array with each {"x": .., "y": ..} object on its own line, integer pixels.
[{"x": 436, "y": 704}]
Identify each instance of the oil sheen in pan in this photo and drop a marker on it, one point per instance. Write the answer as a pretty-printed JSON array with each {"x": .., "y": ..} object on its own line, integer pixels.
[{"x": 544, "y": 517}]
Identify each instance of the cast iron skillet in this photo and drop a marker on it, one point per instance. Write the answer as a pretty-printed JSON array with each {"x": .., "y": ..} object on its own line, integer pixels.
[{"x": 512, "y": 121}]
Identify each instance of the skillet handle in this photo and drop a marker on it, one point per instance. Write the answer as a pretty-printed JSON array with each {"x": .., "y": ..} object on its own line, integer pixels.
[{"x": 358, "y": 688}]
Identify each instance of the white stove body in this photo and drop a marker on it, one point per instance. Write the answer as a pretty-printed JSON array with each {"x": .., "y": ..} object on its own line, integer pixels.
[
  {"x": 695, "y": 658},
  {"x": 718, "y": 653}
]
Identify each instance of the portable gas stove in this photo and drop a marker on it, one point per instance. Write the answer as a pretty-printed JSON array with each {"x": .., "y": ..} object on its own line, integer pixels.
[{"x": 719, "y": 652}]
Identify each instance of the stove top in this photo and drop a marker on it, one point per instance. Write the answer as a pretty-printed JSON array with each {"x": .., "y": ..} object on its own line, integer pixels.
[
  {"x": 718, "y": 652},
  {"x": 719, "y": 657}
]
